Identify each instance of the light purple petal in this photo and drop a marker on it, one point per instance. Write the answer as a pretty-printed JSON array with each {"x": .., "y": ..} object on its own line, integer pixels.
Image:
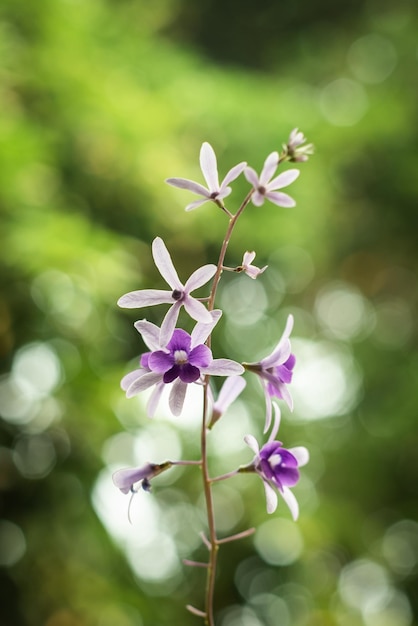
[
  {"x": 252, "y": 442},
  {"x": 124, "y": 479},
  {"x": 271, "y": 497},
  {"x": 252, "y": 176},
  {"x": 169, "y": 323},
  {"x": 177, "y": 396},
  {"x": 200, "y": 277},
  {"x": 144, "y": 297},
  {"x": 150, "y": 333},
  {"x": 140, "y": 384},
  {"x": 301, "y": 454},
  {"x": 286, "y": 396},
  {"x": 190, "y": 185},
  {"x": 271, "y": 359},
  {"x": 279, "y": 355},
  {"x": 248, "y": 258},
  {"x": 258, "y": 198},
  {"x": 291, "y": 502},
  {"x": 276, "y": 424},
  {"x": 270, "y": 166},
  {"x": 229, "y": 392},
  {"x": 162, "y": 260},
  {"x": 233, "y": 174},
  {"x": 283, "y": 180},
  {"x": 195, "y": 204},
  {"x": 268, "y": 408},
  {"x": 223, "y": 367},
  {"x": 280, "y": 199},
  {"x": 129, "y": 378},
  {"x": 197, "y": 310},
  {"x": 154, "y": 399},
  {"x": 202, "y": 331},
  {"x": 209, "y": 166}
]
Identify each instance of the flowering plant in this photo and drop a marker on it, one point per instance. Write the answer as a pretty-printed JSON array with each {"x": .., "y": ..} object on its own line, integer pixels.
[{"x": 178, "y": 359}]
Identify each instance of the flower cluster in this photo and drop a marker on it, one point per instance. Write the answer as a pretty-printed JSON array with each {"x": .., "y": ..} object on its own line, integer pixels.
[{"x": 176, "y": 358}]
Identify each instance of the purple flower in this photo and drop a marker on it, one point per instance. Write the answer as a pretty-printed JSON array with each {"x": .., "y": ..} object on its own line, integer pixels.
[
  {"x": 214, "y": 191},
  {"x": 278, "y": 468},
  {"x": 184, "y": 360},
  {"x": 178, "y": 296},
  {"x": 294, "y": 148},
  {"x": 125, "y": 479},
  {"x": 251, "y": 270},
  {"x": 264, "y": 188},
  {"x": 275, "y": 371}
]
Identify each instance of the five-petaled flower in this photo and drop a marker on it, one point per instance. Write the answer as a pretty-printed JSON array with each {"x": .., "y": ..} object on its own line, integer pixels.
[
  {"x": 178, "y": 296},
  {"x": 275, "y": 371},
  {"x": 214, "y": 191},
  {"x": 278, "y": 468},
  {"x": 251, "y": 270},
  {"x": 184, "y": 360},
  {"x": 264, "y": 188}
]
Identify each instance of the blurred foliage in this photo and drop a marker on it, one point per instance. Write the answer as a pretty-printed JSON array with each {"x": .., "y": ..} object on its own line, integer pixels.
[{"x": 101, "y": 101}]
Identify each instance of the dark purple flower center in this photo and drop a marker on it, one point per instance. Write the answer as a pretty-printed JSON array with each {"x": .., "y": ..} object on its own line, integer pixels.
[
  {"x": 278, "y": 465},
  {"x": 177, "y": 294},
  {"x": 261, "y": 190}
]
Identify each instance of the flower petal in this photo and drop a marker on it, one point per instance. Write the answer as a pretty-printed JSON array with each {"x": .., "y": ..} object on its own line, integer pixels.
[
  {"x": 283, "y": 180},
  {"x": 301, "y": 454},
  {"x": 258, "y": 198},
  {"x": 129, "y": 378},
  {"x": 202, "y": 331},
  {"x": 278, "y": 353},
  {"x": 209, "y": 166},
  {"x": 270, "y": 166},
  {"x": 251, "y": 441},
  {"x": 195, "y": 204},
  {"x": 200, "y": 277},
  {"x": 229, "y": 392},
  {"x": 291, "y": 502},
  {"x": 162, "y": 260},
  {"x": 233, "y": 174},
  {"x": 248, "y": 258},
  {"x": 124, "y": 479},
  {"x": 154, "y": 399},
  {"x": 190, "y": 185},
  {"x": 140, "y": 384},
  {"x": 149, "y": 332},
  {"x": 252, "y": 177},
  {"x": 200, "y": 356},
  {"x": 276, "y": 423},
  {"x": 144, "y": 297},
  {"x": 271, "y": 497},
  {"x": 169, "y": 323},
  {"x": 223, "y": 367},
  {"x": 281, "y": 199},
  {"x": 160, "y": 361},
  {"x": 177, "y": 396},
  {"x": 197, "y": 310}
]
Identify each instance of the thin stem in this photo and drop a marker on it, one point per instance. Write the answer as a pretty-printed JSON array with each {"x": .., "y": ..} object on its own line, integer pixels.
[
  {"x": 213, "y": 543},
  {"x": 213, "y": 551}
]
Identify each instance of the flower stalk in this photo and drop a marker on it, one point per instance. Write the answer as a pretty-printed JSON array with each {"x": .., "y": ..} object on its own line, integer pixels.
[{"x": 179, "y": 359}]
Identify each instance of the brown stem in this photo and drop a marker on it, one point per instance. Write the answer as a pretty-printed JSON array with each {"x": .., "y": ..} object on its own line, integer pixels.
[{"x": 207, "y": 482}]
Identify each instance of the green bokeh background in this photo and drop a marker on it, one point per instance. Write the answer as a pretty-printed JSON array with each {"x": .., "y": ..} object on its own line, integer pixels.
[{"x": 100, "y": 102}]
